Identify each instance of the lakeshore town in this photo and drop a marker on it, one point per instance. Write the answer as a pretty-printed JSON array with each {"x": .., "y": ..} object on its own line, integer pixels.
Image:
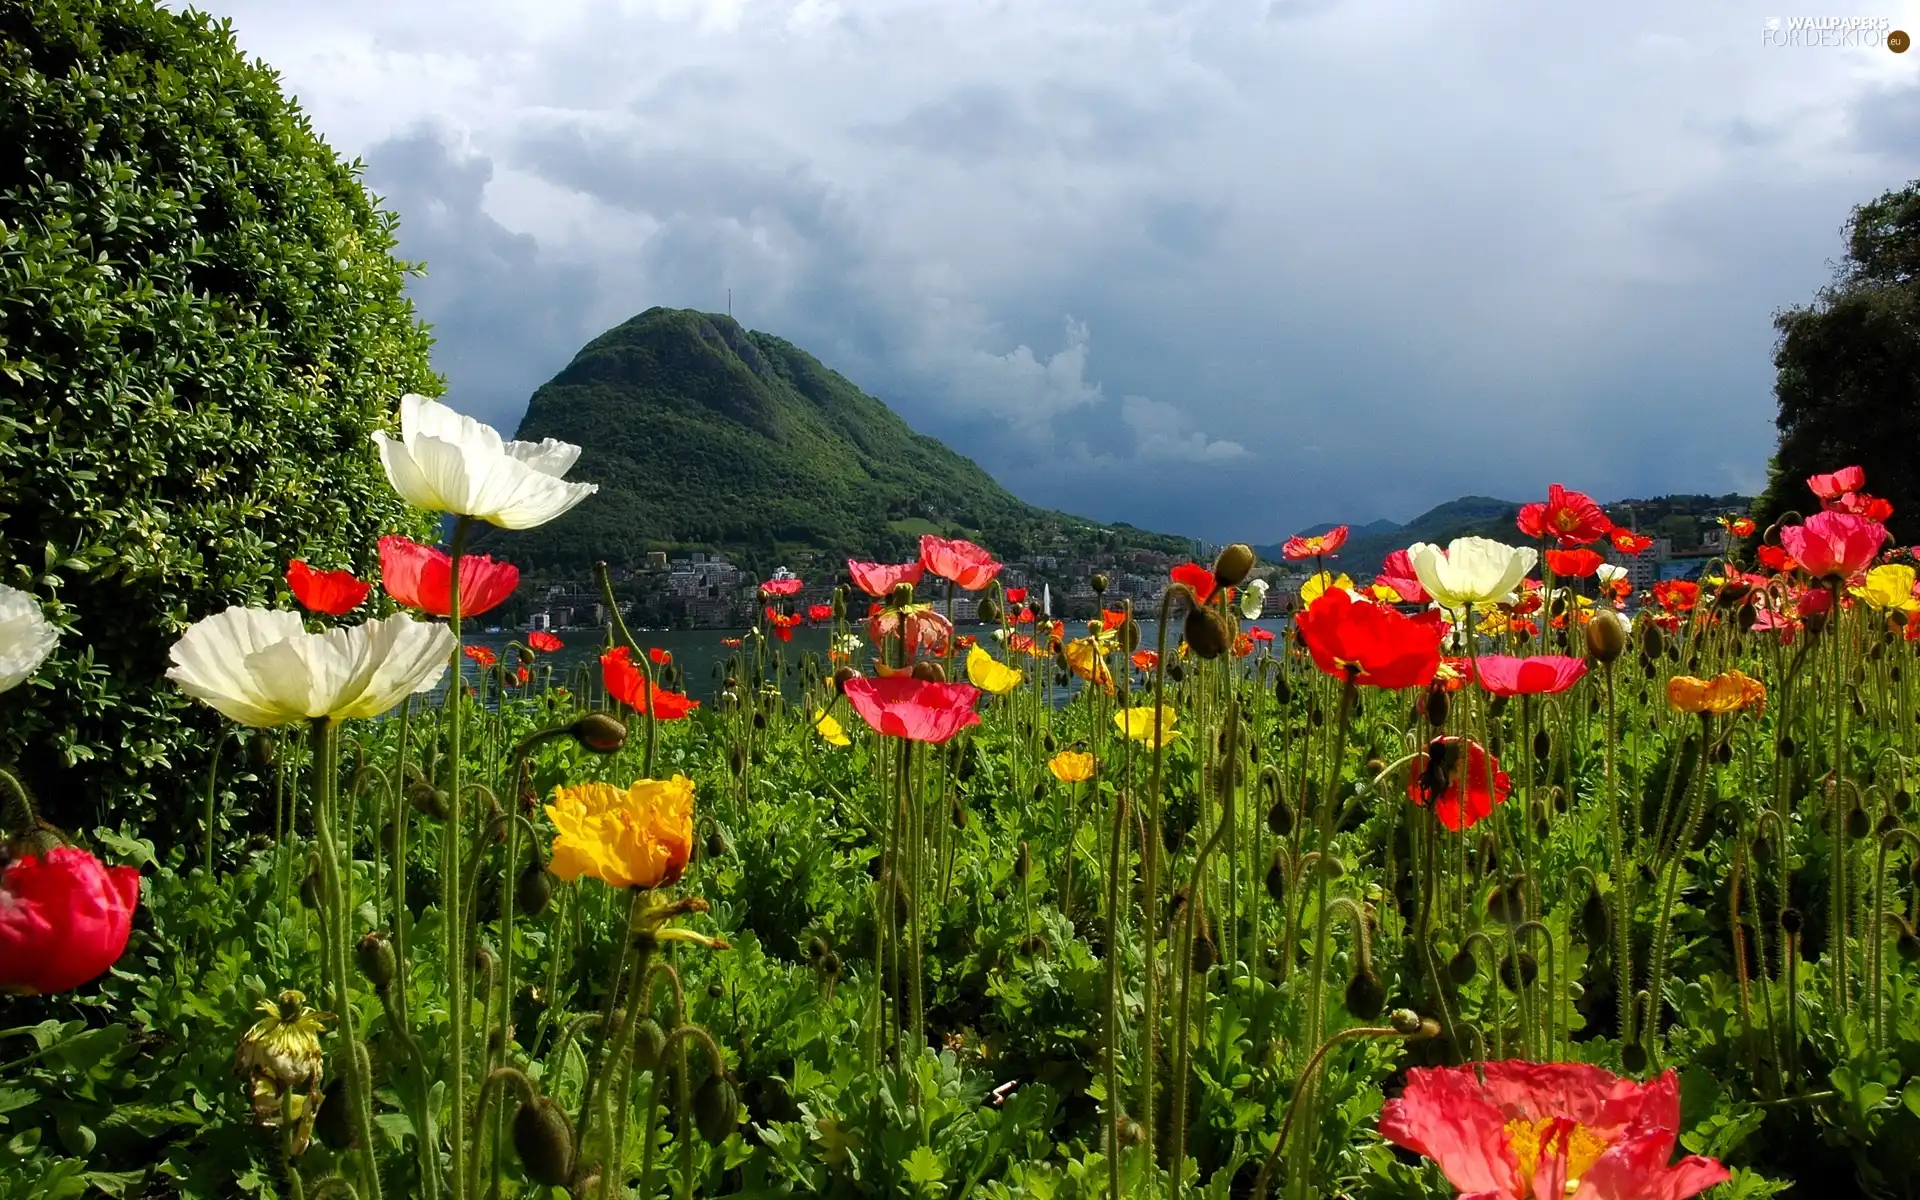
[{"x": 700, "y": 590}]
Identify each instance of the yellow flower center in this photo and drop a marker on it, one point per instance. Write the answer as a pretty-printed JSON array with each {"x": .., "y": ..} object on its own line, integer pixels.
[{"x": 1531, "y": 1140}]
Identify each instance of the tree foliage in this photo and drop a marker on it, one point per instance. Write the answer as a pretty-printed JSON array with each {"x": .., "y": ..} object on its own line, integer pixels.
[
  {"x": 200, "y": 323},
  {"x": 1848, "y": 365}
]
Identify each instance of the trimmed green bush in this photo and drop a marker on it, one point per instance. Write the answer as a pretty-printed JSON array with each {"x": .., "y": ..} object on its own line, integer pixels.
[{"x": 201, "y": 321}]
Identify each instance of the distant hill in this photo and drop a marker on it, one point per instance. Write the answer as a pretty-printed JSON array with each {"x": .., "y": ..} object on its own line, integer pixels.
[
  {"x": 706, "y": 435},
  {"x": 1683, "y": 518}
]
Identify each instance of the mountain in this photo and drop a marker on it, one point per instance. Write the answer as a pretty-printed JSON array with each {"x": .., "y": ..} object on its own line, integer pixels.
[
  {"x": 705, "y": 435},
  {"x": 1682, "y": 518}
]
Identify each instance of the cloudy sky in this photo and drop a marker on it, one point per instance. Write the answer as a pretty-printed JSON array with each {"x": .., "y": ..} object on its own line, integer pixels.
[{"x": 1218, "y": 267}]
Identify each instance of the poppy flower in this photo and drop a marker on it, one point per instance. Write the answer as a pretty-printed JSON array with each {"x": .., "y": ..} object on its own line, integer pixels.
[
  {"x": 1775, "y": 558},
  {"x": 1254, "y": 600},
  {"x": 1397, "y": 574},
  {"x": 422, "y": 576},
  {"x": 966, "y": 564},
  {"x": 1458, "y": 785},
  {"x": 1889, "y": 587},
  {"x": 731, "y": 643},
  {"x": 989, "y": 674},
  {"x": 1087, "y": 658},
  {"x": 1738, "y": 526},
  {"x": 1676, "y": 595},
  {"x": 819, "y": 612},
  {"x": 1025, "y": 617},
  {"x": 1369, "y": 643},
  {"x": 1626, "y": 541},
  {"x": 1147, "y": 724},
  {"x": 828, "y": 726},
  {"x": 965, "y": 641},
  {"x": 335, "y": 593},
  {"x": 781, "y": 587},
  {"x": 26, "y": 637},
  {"x": 1517, "y": 1130},
  {"x": 659, "y": 657},
  {"x": 635, "y": 837},
  {"x": 625, "y": 683},
  {"x": 1829, "y": 544},
  {"x": 544, "y": 642},
  {"x": 1572, "y": 517},
  {"x": 1195, "y": 577},
  {"x": 878, "y": 579},
  {"x": 1259, "y": 634},
  {"x": 64, "y": 919},
  {"x": 1471, "y": 570},
  {"x": 1111, "y": 619},
  {"x": 262, "y": 668},
  {"x": 1873, "y": 508},
  {"x": 1540, "y": 675},
  {"x": 782, "y": 623},
  {"x": 1839, "y": 483},
  {"x": 1242, "y": 645},
  {"x": 1146, "y": 659},
  {"x": 1573, "y": 564},
  {"x": 1727, "y": 692},
  {"x": 481, "y": 655},
  {"x": 1317, "y": 546},
  {"x": 1319, "y": 584},
  {"x": 916, "y": 709},
  {"x": 444, "y": 461},
  {"x": 1071, "y": 766},
  {"x": 1016, "y": 595},
  {"x": 917, "y": 625}
]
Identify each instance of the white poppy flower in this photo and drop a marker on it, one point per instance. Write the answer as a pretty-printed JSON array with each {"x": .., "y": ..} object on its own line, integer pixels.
[
  {"x": 446, "y": 461},
  {"x": 1471, "y": 570},
  {"x": 261, "y": 667},
  {"x": 1609, "y": 573},
  {"x": 26, "y": 637},
  {"x": 1253, "y": 599}
]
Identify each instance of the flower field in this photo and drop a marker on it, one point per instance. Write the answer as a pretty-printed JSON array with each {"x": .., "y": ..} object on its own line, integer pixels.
[{"x": 1486, "y": 876}]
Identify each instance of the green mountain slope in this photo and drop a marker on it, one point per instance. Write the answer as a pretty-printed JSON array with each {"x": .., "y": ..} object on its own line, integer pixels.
[{"x": 705, "y": 435}]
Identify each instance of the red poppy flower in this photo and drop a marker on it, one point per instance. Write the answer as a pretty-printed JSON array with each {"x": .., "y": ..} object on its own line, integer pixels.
[
  {"x": 731, "y": 642},
  {"x": 965, "y": 641},
  {"x": 1573, "y": 517},
  {"x": 1774, "y": 558},
  {"x": 544, "y": 642},
  {"x": 1838, "y": 484},
  {"x": 64, "y": 919},
  {"x": 1573, "y": 564},
  {"x": 960, "y": 561},
  {"x": 422, "y": 576},
  {"x": 1626, "y": 541},
  {"x": 819, "y": 612},
  {"x": 1543, "y": 674},
  {"x": 1022, "y": 643},
  {"x": 1112, "y": 618},
  {"x": 1516, "y": 1130},
  {"x": 521, "y": 674},
  {"x": 1813, "y": 601},
  {"x": 1196, "y": 577},
  {"x": 1025, "y": 617},
  {"x": 1873, "y": 508},
  {"x": 1738, "y": 526},
  {"x": 1397, "y": 572},
  {"x": 919, "y": 627},
  {"x": 1834, "y": 543},
  {"x": 483, "y": 655},
  {"x": 659, "y": 657},
  {"x": 916, "y": 709},
  {"x": 332, "y": 592},
  {"x": 1016, "y": 595},
  {"x": 782, "y": 623},
  {"x": 1260, "y": 634},
  {"x": 1371, "y": 643},
  {"x": 877, "y": 579},
  {"x": 1676, "y": 595},
  {"x": 781, "y": 587},
  {"x": 1458, "y": 785},
  {"x": 1242, "y": 645},
  {"x": 1524, "y": 627},
  {"x": 625, "y": 683},
  {"x": 1145, "y": 659},
  {"x": 1318, "y": 546}
]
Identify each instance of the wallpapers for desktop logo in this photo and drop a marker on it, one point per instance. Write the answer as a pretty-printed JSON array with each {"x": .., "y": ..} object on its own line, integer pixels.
[{"x": 1835, "y": 33}]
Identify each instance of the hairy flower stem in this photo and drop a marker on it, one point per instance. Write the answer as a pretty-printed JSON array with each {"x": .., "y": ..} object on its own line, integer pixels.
[
  {"x": 620, "y": 1062},
  {"x": 1621, "y": 870},
  {"x": 1115, "y": 863},
  {"x": 339, "y": 932},
  {"x": 1664, "y": 930},
  {"x": 213, "y": 792},
  {"x": 453, "y": 842},
  {"x": 1839, "y": 859},
  {"x": 1150, "y": 905}
]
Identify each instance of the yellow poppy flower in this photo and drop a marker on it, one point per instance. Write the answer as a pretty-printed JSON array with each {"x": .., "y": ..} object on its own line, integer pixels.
[
  {"x": 1890, "y": 588},
  {"x": 1727, "y": 692},
  {"x": 1318, "y": 585},
  {"x": 1070, "y": 766},
  {"x": 830, "y": 730},
  {"x": 989, "y": 674},
  {"x": 637, "y": 837},
  {"x": 1141, "y": 725},
  {"x": 1085, "y": 658}
]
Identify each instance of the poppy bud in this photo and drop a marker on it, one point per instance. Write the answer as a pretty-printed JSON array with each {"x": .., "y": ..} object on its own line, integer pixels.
[
  {"x": 429, "y": 800},
  {"x": 1606, "y": 637},
  {"x": 1437, "y": 705},
  {"x": 1132, "y": 1132},
  {"x": 533, "y": 889},
  {"x": 1233, "y": 564},
  {"x": 1542, "y": 746},
  {"x": 1205, "y": 632},
  {"x": 544, "y": 1140},
  {"x": 1787, "y": 748},
  {"x": 1887, "y": 823},
  {"x": 1723, "y": 753},
  {"x": 1129, "y": 635},
  {"x": 1282, "y": 690},
  {"x": 959, "y": 814},
  {"x": 1857, "y": 822},
  {"x": 1593, "y": 921},
  {"x": 1205, "y": 954},
  {"x": 1906, "y": 945},
  {"x": 1814, "y": 621},
  {"x": 1176, "y": 670},
  {"x": 900, "y": 595},
  {"x": 1791, "y": 920},
  {"x": 1762, "y": 850},
  {"x": 260, "y": 750},
  {"x": 736, "y": 761},
  {"x": 649, "y": 1041},
  {"x": 1508, "y": 903},
  {"x": 1280, "y": 818},
  {"x": 310, "y": 890},
  {"x": 332, "y": 1126},
  {"x": 715, "y": 1109},
  {"x": 1407, "y": 1023},
  {"x": 830, "y": 965},
  {"x": 1496, "y": 706},
  {"x": 599, "y": 732},
  {"x": 1518, "y": 971},
  {"x": 716, "y": 845},
  {"x": 377, "y": 961},
  {"x": 929, "y": 671},
  {"x": 1098, "y": 581},
  {"x": 989, "y": 610},
  {"x": 1902, "y": 799},
  {"x": 1633, "y": 1058},
  {"x": 1462, "y": 967},
  {"x": 1277, "y": 877},
  {"x": 1366, "y": 995}
]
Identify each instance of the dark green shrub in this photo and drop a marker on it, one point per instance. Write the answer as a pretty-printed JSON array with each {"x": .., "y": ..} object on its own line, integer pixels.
[{"x": 200, "y": 322}]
